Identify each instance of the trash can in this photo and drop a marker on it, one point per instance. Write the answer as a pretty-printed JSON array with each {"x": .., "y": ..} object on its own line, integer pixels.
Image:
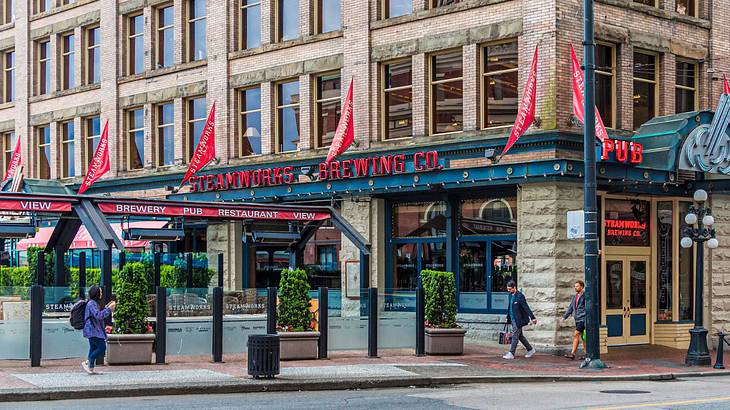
[{"x": 263, "y": 356}]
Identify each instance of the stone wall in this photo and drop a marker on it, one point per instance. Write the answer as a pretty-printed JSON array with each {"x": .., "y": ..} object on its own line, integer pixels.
[
  {"x": 547, "y": 262},
  {"x": 226, "y": 238},
  {"x": 717, "y": 271}
]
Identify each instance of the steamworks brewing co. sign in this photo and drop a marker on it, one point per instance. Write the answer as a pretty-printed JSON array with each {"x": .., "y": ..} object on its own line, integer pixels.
[{"x": 391, "y": 164}]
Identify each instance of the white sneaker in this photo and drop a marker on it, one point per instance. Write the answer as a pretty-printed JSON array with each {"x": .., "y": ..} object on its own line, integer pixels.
[
  {"x": 508, "y": 356},
  {"x": 85, "y": 366},
  {"x": 531, "y": 353}
]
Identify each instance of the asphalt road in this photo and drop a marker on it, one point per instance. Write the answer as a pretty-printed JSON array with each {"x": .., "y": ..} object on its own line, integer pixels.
[{"x": 692, "y": 393}]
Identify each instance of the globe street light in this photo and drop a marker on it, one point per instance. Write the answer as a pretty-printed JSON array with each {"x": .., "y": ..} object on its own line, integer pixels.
[{"x": 698, "y": 354}]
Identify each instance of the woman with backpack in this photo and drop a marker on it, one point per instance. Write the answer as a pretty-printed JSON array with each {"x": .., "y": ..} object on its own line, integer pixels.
[{"x": 94, "y": 317}]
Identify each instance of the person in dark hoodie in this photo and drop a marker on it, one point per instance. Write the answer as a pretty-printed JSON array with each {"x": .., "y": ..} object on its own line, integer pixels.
[
  {"x": 519, "y": 315},
  {"x": 577, "y": 309},
  {"x": 94, "y": 317}
]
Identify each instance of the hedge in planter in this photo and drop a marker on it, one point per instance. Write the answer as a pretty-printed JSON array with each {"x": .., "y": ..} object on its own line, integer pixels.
[
  {"x": 293, "y": 313},
  {"x": 440, "y": 290},
  {"x": 130, "y": 316}
]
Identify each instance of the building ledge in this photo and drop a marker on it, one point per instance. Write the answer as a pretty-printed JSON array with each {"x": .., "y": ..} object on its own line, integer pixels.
[
  {"x": 57, "y": 10},
  {"x": 434, "y": 12},
  {"x": 8, "y": 26},
  {"x": 162, "y": 71},
  {"x": 657, "y": 12},
  {"x": 285, "y": 44},
  {"x": 7, "y": 105},
  {"x": 63, "y": 93}
]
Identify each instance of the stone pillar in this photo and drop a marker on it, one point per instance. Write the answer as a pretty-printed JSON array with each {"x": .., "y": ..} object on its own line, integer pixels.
[
  {"x": 717, "y": 271},
  {"x": 547, "y": 262},
  {"x": 358, "y": 212},
  {"x": 225, "y": 238}
]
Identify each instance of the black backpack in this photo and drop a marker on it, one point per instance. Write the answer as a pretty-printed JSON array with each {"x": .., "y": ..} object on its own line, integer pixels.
[{"x": 78, "y": 311}]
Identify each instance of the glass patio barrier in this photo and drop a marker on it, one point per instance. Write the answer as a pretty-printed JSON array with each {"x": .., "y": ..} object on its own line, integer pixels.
[
  {"x": 189, "y": 321},
  {"x": 397, "y": 319},
  {"x": 14, "y": 323},
  {"x": 244, "y": 314},
  {"x": 60, "y": 340},
  {"x": 348, "y": 325}
]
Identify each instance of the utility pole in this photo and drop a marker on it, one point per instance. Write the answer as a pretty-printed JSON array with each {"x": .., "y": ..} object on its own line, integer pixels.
[{"x": 590, "y": 208}]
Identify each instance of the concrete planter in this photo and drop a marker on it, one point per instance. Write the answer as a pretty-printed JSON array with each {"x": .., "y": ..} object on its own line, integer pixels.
[
  {"x": 129, "y": 349},
  {"x": 445, "y": 341},
  {"x": 299, "y": 345}
]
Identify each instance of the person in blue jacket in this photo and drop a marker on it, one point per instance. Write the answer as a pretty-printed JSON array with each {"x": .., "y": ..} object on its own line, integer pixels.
[
  {"x": 94, "y": 317},
  {"x": 519, "y": 316}
]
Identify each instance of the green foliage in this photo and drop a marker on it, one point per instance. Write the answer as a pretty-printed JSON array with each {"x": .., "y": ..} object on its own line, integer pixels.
[
  {"x": 130, "y": 316},
  {"x": 15, "y": 277},
  {"x": 33, "y": 252},
  {"x": 440, "y": 290},
  {"x": 93, "y": 277},
  {"x": 177, "y": 277},
  {"x": 293, "y": 312},
  {"x": 169, "y": 277}
]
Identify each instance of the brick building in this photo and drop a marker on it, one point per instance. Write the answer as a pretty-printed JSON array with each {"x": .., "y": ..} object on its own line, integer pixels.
[{"x": 440, "y": 76}]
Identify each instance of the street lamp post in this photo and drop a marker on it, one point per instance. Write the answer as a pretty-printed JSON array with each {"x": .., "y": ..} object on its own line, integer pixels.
[{"x": 698, "y": 354}]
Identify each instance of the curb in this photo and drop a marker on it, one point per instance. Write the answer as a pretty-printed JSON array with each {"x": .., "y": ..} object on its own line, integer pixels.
[{"x": 279, "y": 385}]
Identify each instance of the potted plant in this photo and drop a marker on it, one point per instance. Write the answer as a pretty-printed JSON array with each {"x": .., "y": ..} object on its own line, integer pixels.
[
  {"x": 443, "y": 335},
  {"x": 297, "y": 338},
  {"x": 131, "y": 340}
]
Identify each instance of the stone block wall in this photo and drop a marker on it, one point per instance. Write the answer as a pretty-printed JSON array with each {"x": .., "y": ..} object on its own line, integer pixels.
[
  {"x": 547, "y": 262},
  {"x": 225, "y": 238},
  {"x": 717, "y": 271}
]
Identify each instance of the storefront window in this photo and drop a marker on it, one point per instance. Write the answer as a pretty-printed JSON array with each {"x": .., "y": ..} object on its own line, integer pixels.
[
  {"x": 504, "y": 268},
  {"x": 433, "y": 256},
  {"x": 419, "y": 220},
  {"x": 406, "y": 266},
  {"x": 488, "y": 216},
  {"x": 472, "y": 278},
  {"x": 626, "y": 222},
  {"x": 686, "y": 271},
  {"x": 664, "y": 260}
]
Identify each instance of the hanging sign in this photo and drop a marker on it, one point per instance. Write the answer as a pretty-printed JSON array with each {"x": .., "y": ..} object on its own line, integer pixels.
[
  {"x": 232, "y": 212},
  {"x": 34, "y": 205}
]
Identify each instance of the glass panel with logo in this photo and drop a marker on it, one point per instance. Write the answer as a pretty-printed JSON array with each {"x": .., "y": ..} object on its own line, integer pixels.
[
  {"x": 626, "y": 222},
  {"x": 472, "y": 278},
  {"x": 664, "y": 260},
  {"x": 686, "y": 271},
  {"x": 504, "y": 269}
]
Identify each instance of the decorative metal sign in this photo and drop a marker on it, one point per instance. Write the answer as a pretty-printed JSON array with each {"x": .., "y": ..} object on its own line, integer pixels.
[
  {"x": 707, "y": 147},
  {"x": 222, "y": 211}
]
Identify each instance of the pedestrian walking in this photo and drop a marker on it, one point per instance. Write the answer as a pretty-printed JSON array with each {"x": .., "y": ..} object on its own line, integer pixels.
[
  {"x": 94, "y": 317},
  {"x": 519, "y": 316},
  {"x": 577, "y": 309}
]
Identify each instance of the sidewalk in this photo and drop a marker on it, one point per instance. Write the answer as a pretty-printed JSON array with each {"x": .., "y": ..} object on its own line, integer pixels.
[{"x": 64, "y": 379}]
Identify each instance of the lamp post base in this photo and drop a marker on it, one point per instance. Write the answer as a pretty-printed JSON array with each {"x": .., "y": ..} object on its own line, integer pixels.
[
  {"x": 698, "y": 354},
  {"x": 592, "y": 364}
]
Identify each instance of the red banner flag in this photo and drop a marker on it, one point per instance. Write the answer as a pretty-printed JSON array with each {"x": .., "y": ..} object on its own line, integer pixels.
[
  {"x": 14, "y": 161},
  {"x": 205, "y": 150},
  {"x": 578, "y": 100},
  {"x": 725, "y": 85},
  {"x": 100, "y": 164},
  {"x": 526, "y": 113},
  {"x": 345, "y": 133}
]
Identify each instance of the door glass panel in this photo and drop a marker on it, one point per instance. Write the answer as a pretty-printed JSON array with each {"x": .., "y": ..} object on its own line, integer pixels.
[
  {"x": 638, "y": 284},
  {"x": 406, "y": 264},
  {"x": 434, "y": 256},
  {"x": 473, "y": 275},
  {"x": 504, "y": 269},
  {"x": 614, "y": 284}
]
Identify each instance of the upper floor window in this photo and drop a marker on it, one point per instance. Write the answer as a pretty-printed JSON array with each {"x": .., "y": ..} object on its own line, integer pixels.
[
  {"x": 68, "y": 58},
  {"x": 135, "y": 47},
  {"x": 135, "y": 135},
  {"x": 651, "y": 3},
  {"x": 64, "y": 2},
  {"x": 9, "y": 75},
  {"x": 92, "y": 134},
  {"x": 43, "y": 144},
  {"x": 250, "y": 108},
  {"x": 196, "y": 30},
  {"x": 447, "y": 93},
  {"x": 41, "y": 6},
  {"x": 606, "y": 83},
  {"x": 93, "y": 55},
  {"x": 328, "y": 107},
  {"x": 165, "y": 138},
  {"x": 196, "y": 111},
  {"x": 8, "y": 11},
  {"x": 329, "y": 15},
  {"x": 67, "y": 149},
  {"x": 287, "y": 116},
  {"x": 645, "y": 88},
  {"x": 250, "y": 21},
  {"x": 43, "y": 70},
  {"x": 165, "y": 36},
  {"x": 687, "y": 7},
  {"x": 441, "y": 3},
  {"x": 395, "y": 8},
  {"x": 501, "y": 100},
  {"x": 8, "y": 147},
  {"x": 397, "y": 100},
  {"x": 685, "y": 88},
  {"x": 287, "y": 19}
]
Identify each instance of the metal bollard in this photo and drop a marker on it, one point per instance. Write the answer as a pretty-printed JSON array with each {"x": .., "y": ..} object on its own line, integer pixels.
[
  {"x": 161, "y": 326},
  {"x": 217, "y": 324},
  {"x": 36, "y": 324},
  {"x": 720, "y": 343},
  {"x": 157, "y": 262},
  {"x": 420, "y": 321},
  {"x": 190, "y": 270},
  {"x": 82, "y": 275},
  {"x": 372, "y": 322},
  {"x": 220, "y": 270},
  {"x": 323, "y": 314},
  {"x": 122, "y": 260},
  {"x": 271, "y": 311}
]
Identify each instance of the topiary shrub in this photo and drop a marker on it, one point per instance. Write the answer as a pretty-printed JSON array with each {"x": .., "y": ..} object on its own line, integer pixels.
[
  {"x": 293, "y": 313},
  {"x": 130, "y": 317},
  {"x": 440, "y": 306},
  {"x": 15, "y": 276}
]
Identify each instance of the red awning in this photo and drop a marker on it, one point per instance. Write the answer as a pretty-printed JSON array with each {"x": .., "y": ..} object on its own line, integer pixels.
[{"x": 83, "y": 239}]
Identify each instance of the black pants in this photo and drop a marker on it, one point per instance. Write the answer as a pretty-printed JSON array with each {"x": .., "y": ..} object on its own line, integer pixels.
[
  {"x": 97, "y": 347},
  {"x": 518, "y": 336}
]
